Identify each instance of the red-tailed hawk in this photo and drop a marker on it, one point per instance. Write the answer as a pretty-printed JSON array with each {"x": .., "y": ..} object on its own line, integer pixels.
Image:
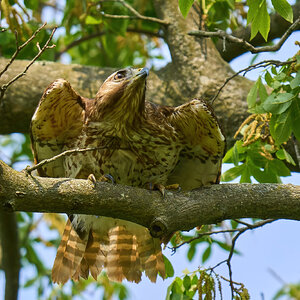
[{"x": 139, "y": 143}]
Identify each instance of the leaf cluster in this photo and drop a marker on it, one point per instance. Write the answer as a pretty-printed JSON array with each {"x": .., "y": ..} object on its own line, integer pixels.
[
  {"x": 275, "y": 119},
  {"x": 206, "y": 283}
]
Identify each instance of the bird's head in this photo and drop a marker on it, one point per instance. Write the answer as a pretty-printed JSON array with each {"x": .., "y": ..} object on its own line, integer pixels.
[{"x": 122, "y": 95}]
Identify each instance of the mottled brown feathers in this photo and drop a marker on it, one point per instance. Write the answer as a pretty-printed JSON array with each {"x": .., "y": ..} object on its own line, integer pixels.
[{"x": 139, "y": 143}]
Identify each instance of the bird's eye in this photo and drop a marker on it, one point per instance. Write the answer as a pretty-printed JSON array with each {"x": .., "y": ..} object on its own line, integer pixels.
[{"x": 119, "y": 75}]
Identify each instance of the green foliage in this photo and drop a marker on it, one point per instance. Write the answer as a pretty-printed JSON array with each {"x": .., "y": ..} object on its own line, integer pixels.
[
  {"x": 288, "y": 291},
  {"x": 274, "y": 119},
  {"x": 185, "y": 6},
  {"x": 258, "y": 15},
  {"x": 206, "y": 283}
]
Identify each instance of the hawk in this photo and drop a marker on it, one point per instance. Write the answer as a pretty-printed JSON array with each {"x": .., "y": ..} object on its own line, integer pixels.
[{"x": 137, "y": 143}]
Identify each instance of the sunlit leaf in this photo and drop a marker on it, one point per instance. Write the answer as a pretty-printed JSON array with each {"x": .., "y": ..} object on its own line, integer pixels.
[
  {"x": 281, "y": 126},
  {"x": 232, "y": 173},
  {"x": 206, "y": 254},
  {"x": 185, "y": 6},
  {"x": 169, "y": 267},
  {"x": 284, "y": 9},
  {"x": 278, "y": 103},
  {"x": 187, "y": 282}
]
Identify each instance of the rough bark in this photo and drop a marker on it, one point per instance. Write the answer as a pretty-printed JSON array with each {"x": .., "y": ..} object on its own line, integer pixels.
[
  {"x": 278, "y": 27},
  {"x": 9, "y": 241},
  {"x": 178, "y": 211}
]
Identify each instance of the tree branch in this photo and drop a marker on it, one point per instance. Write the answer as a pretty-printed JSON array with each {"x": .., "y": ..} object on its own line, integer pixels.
[
  {"x": 136, "y": 14},
  {"x": 178, "y": 211},
  {"x": 278, "y": 27},
  {"x": 4, "y": 87},
  {"x": 249, "y": 47}
]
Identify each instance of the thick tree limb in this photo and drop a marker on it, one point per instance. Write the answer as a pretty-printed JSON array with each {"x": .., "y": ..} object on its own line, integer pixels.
[
  {"x": 10, "y": 253},
  {"x": 178, "y": 211}
]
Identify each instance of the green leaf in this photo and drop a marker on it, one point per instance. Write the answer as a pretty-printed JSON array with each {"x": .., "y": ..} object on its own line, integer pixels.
[
  {"x": 246, "y": 175},
  {"x": 296, "y": 81},
  {"x": 261, "y": 21},
  {"x": 235, "y": 155},
  {"x": 169, "y": 268},
  {"x": 273, "y": 70},
  {"x": 90, "y": 20},
  {"x": 277, "y": 104},
  {"x": 295, "y": 108},
  {"x": 206, "y": 254},
  {"x": 281, "y": 127},
  {"x": 32, "y": 4},
  {"x": 185, "y": 6},
  {"x": 284, "y": 9},
  {"x": 262, "y": 92},
  {"x": 268, "y": 78},
  {"x": 253, "y": 10},
  {"x": 280, "y": 154},
  {"x": 187, "y": 282},
  {"x": 191, "y": 251},
  {"x": 252, "y": 96},
  {"x": 280, "y": 167},
  {"x": 232, "y": 173},
  {"x": 283, "y": 154}
]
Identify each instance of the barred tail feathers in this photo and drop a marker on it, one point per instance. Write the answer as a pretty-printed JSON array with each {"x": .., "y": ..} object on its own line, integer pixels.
[
  {"x": 123, "y": 248},
  {"x": 69, "y": 255}
]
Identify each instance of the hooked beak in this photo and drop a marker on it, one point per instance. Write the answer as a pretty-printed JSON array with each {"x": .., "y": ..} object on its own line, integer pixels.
[{"x": 143, "y": 73}]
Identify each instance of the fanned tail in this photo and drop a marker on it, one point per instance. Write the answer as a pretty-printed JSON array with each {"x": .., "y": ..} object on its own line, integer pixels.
[{"x": 123, "y": 248}]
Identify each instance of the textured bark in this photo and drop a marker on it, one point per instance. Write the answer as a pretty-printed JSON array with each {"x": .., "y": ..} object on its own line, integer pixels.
[
  {"x": 10, "y": 253},
  {"x": 178, "y": 211},
  {"x": 278, "y": 27}
]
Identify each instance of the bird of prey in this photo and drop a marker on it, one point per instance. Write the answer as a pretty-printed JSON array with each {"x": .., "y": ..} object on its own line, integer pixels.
[{"x": 137, "y": 143}]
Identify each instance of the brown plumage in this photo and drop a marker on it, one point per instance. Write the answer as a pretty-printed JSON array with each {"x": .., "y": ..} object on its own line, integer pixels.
[{"x": 138, "y": 143}]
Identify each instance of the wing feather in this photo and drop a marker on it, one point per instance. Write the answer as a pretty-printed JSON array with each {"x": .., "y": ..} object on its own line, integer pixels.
[
  {"x": 204, "y": 145},
  {"x": 57, "y": 120}
]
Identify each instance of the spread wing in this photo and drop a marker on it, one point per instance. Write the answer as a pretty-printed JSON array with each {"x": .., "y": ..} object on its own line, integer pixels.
[
  {"x": 203, "y": 145},
  {"x": 57, "y": 121}
]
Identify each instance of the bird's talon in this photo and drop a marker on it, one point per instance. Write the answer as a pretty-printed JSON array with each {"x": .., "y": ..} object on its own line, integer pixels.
[
  {"x": 174, "y": 186},
  {"x": 107, "y": 178},
  {"x": 92, "y": 178}
]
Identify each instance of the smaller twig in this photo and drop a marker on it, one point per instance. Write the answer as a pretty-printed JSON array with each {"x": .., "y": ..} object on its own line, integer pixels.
[
  {"x": 4, "y": 87},
  {"x": 28, "y": 169},
  {"x": 49, "y": 160},
  {"x": 137, "y": 15},
  {"x": 242, "y": 229},
  {"x": 19, "y": 48},
  {"x": 262, "y": 64},
  {"x": 242, "y": 222},
  {"x": 200, "y": 235},
  {"x": 222, "y": 34}
]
